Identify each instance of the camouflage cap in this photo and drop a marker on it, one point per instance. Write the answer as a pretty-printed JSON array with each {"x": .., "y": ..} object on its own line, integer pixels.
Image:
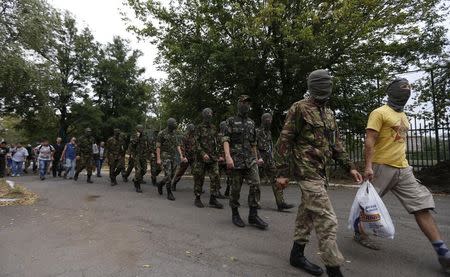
[{"x": 244, "y": 98}]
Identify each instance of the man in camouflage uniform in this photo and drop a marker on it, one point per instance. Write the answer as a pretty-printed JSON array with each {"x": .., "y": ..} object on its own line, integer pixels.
[
  {"x": 239, "y": 144},
  {"x": 138, "y": 152},
  {"x": 308, "y": 141},
  {"x": 115, "y": 152},
  {"x": 167, "y": 147},
  {"x": 222, "y": 164},
  {"x": 267, "y": 169},
  {"x": 155, "y": 169},
  {"x": 206, "y": 160},
  {"x": 130, "y": 164},
  {"x": 187, "y": 145},
  {"x": 86, "y": 155}
]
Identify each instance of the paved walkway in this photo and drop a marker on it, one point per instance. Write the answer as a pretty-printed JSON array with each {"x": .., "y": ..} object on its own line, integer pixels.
[{"x": 80, "y": 229}]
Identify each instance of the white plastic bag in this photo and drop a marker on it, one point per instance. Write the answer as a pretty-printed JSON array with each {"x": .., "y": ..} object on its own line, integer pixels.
[{"x": 369, "y": 215}]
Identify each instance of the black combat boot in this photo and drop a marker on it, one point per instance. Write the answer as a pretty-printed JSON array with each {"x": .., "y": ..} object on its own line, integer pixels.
[
  {"x": 113, "y": 181},
  {"x": 75, "y": 177},
  {"x": 299, "y": 260},
  {"x": 334, "y": 271},
  {"x": 124, "y": 178},
  {"x": 236, "y": 218},
  {"x": 170, "y": 195},
  {"x": 137, "y": 186},
  {"x": 154, "y": 181},
  {"x": 160, "y": 187},
  {"x": 284, "y": 206},
  {"x": 255, "y": 220},
  {"x": 198, "y": 202},
  {"x": 89, "y": 179},
  {"x": 214, "y": 203},
  {"x": 227, "y": 191}
]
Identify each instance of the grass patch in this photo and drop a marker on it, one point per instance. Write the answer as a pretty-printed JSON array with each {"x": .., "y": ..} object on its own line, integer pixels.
[{"x": 23, "y": 195}]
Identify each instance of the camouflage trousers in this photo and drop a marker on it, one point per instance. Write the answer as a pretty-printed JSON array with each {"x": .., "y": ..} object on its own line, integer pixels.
[
  {"x": 268, "y": 177},
  {"x": 154, "y": 168},
  {"x": 140, "y": 168},
  {"x": 199, "y": 171},
  {"x": 224, "y": 170},
  {"x": 316, "y": 212},
  {"x": 116, "y": 165},
  {"x": 169, "y": 167},
  {"x": 129, "y": 168},
  {"x": 181, "y": 170},
  {"x": 238, "y": 176},
  {"x": 85, "y": 162}
]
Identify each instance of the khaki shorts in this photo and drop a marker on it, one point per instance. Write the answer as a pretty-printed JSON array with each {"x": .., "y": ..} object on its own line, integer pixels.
[{"x": 401, "y": 181}]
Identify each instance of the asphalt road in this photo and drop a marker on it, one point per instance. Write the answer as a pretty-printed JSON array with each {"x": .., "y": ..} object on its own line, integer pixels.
[{"x": 80, "y": 229}]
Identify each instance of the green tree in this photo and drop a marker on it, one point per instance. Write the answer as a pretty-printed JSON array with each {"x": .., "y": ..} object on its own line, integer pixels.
[
  {"x": 48, "y": 62},
  {"x": 121, "y": 92},
  {"x": 214, "y": 50}
]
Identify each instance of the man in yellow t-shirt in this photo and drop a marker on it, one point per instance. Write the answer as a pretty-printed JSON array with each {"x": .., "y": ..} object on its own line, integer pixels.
[{"x": 388, "y": 169}]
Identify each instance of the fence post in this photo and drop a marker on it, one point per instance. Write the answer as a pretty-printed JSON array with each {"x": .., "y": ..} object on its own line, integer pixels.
[
  {"x": 447, "y": 125},
  {"x": 436, "y": 128}
]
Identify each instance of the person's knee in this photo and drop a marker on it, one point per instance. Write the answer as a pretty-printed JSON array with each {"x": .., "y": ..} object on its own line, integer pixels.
[{"x": 420, "y": 213}]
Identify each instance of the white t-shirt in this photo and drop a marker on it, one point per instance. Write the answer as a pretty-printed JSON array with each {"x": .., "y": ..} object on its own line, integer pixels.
[
  {"x": 45, "y": 152},
  {"x": 19, "y": 154},
  {"x": 101, "y": 152}
]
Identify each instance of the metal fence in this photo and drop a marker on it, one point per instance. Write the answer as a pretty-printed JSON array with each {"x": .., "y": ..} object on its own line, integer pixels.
[{"x": 427, "y": 143}]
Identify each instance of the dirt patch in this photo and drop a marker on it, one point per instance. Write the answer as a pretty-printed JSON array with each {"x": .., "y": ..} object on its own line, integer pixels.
[
  {"x": 91, "y": 198},
  {"x": 436, "y": 178},
  {"x": 18, "y": 195}
]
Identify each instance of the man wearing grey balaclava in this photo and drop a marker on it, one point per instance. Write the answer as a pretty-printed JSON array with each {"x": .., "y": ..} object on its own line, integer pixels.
[
  {"x": 398, "y": 93},
  {"x": 385, "y": 154},
  {"x": 308, "y": 142},
  {"x": 320, "y": 85}
]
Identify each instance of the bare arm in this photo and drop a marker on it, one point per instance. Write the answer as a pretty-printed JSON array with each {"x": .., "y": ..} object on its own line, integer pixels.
[
  {"x": 255, "y": 152},
  {"x": 158, "y": 155},
  {"x": 371, "y": 138},
  {"x": 64, "y": 153},
  {"x": 180, "y": 153},
  {"x": 228, "y": 158}
]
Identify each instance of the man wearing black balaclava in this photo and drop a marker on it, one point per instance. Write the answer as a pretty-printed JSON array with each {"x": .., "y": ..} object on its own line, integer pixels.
[
  {"x": 241, "y": 155},
  {"x": 138, "y": 150},
  {"x": 206, "y": 160},
  {"x": 167, "y": 146},
  {"x": 267, "y": 169},
  {"x": 388, "y": 169},
  {"x": 187, "y": 145}
]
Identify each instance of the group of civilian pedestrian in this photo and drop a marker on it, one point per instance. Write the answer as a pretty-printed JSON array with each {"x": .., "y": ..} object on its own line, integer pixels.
[{"x": 58, "y": 159}]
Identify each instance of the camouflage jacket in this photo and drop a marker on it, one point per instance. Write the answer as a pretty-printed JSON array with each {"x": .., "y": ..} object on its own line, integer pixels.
[
  {"x": 265, "y": 146},
  {"x": 138, "y": 145},
  {"x": 167, "y": 143},
  {"x": 188, "y": 146},
  {"x": 151, "y": 146},
  {"x": 240, "y": 133},
  {"x": 308, "y": 141},
  {"x": 85, "y": 145},
  {"x": 207, "y": 142},
  {"x": 115, "y": 147}
]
